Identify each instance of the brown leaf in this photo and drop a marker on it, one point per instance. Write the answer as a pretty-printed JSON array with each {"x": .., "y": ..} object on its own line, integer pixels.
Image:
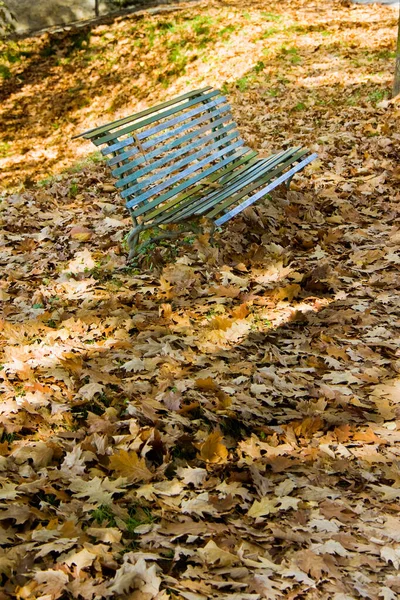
[
  {"x": 129, "y": 465},
  {"x": 312, "y": 564}
]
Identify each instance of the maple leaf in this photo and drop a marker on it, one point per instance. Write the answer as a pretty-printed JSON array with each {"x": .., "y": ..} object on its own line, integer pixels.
[
  {"x": 81, "y": 559},
  {"x": 213, "y": 450},
  {"x": 263, "y": 507},
  {"x": 99, "y": 491},
  {"x": 211, "y": 553},
  {"x": 136, "y": 576},
  {"x": 51, "y": 582},
  {"x": 129, "y": 465},
  {"x": 8, "y": 491},
  {"x": 89, "y": 390},
  {"x": 195, "y": 476}
]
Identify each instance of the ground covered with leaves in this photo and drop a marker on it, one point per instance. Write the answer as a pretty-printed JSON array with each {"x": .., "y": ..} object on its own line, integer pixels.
[{"x": 213, "y": 421}]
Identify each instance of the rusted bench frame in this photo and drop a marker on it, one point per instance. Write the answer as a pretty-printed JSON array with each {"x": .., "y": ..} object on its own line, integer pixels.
[{"x": 185, "y": 159}]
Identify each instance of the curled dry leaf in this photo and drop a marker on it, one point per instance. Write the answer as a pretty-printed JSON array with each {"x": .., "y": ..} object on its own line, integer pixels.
[{"x": 213, "y": 450}]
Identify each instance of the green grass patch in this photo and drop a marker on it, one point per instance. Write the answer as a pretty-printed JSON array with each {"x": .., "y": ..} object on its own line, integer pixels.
[
  {"x": 104, "y": 516},
  {"x": 5, "y": 72},
  {"x": 4, "y": 148},
  {"x": 377, "y": 96},
  {"x": 272, "y": 17},
  {"x": 269, "y": 32}
]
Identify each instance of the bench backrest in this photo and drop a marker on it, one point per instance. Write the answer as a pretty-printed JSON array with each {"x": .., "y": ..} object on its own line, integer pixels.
[{"x": 162, "y": 152}]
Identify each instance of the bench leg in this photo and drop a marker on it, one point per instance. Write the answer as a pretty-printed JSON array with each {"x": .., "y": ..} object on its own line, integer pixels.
[
  {"x": 288, "y": 182},
  {"x": 133, "y": 240}
]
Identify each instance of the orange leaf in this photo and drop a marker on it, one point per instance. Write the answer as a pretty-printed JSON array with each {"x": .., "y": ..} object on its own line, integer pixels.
[
  {"x": 206, "y": 385},
  {"x": 220, "y": 323},
  {"x": 240, "y": 312},
  {"x": 212, "y": 450}
]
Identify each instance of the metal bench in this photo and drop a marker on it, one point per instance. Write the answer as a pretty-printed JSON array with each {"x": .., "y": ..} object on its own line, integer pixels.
[{"x": 185, "y": 159}]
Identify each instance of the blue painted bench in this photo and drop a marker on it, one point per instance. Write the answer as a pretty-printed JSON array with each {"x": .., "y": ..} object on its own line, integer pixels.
[{"x": 185, "y": 159}]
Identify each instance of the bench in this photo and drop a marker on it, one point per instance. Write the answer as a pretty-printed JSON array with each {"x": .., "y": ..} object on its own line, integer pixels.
[{"x": 185, "y": 159}]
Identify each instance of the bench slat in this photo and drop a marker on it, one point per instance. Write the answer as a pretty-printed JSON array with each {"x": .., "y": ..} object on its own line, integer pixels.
[
  {"x": 141, "y": 210},
  {"x": 250, "y": 187},
  {"x": 185, "y": 173},
  {"x": 155, "y": 117},
  {"x": 251, "y": 173},
  {"x": 184, "y": 199},
  {"x": 172, "y": 155},
  {"x": 171, "y": 145},
  {"x": 102, "y": 128},
  {"x": 142, "y": 135},
  {"x": 235, "y": 211},
  {"x": 265, "y": 166}
]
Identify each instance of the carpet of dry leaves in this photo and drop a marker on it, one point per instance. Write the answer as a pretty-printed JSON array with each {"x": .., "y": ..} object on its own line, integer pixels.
[{"x": 215, "y": 421}]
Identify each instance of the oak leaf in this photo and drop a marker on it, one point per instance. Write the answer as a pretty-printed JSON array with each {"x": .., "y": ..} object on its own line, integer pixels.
[
  {"x": 135, "y": 365},
  {"x": 89, "y": 390},
  {"x": 38, "y": 452},
  {"x": 311, "y": 563},
  {"x": 8, "y": 491},
  {"x": 195, "y": 476},
  {"x": 108, "y": 535},
  {"x": 206, "y": 385},
  {"x": 263, "y": 507}
]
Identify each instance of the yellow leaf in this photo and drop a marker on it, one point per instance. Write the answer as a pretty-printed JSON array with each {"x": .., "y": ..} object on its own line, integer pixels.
[
  {"x": 211, "y": 554},
  {"x": 220, "y": 323},
  {"x": 107, "y": 187},
  {"x": 81, "y": 234},
  {"x": 263, "y": 507},
  {"x": 129, "y": 465},
  {"x": 288, "y": 293},
  {"x": 206, "y": 385},
  {"x": 213, "y": 450}
]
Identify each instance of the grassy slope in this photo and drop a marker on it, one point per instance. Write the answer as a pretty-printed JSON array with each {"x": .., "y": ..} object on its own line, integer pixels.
[{"x": 301, "y": 64}]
